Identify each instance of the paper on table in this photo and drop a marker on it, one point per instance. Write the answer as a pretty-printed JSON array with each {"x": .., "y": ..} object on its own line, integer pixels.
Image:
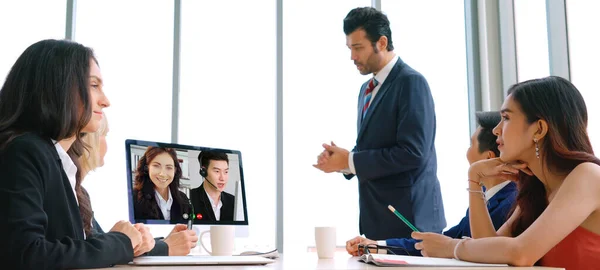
[{"x": 401, "y": 260}]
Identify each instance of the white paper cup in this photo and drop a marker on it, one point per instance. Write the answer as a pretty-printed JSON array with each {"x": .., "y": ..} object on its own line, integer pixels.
[{"x": 325, "y": 240}]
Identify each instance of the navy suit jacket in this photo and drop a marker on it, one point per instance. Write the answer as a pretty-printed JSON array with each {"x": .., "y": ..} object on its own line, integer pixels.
[
  {"x": 498, "y": 206},
  {"x": 395, "y": 158}
]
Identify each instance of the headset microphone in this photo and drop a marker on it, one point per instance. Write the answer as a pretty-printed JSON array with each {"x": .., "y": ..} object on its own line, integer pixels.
[
  {"x": 210, "y": 183},
  {"x": 204, "y": 174},
  {"x": 203, "y": 171}
]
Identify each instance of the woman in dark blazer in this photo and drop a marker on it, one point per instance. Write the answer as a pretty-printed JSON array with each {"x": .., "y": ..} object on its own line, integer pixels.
[
  {"x": 157, "y": 182},
  {"x": 52, "y": 94}
]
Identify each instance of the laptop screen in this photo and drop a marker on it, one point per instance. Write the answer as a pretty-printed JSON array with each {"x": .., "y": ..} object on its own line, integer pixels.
[{"x": 173, "y": 183}]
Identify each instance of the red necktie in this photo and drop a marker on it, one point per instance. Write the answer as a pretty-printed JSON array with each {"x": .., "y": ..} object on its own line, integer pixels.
[{"x": 368, "y": 93}]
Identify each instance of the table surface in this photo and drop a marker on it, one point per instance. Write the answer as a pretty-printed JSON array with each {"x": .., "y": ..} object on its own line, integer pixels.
[{"x": 310, "y": 260}]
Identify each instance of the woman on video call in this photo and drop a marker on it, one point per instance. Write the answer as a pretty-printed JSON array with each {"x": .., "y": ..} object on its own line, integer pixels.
[
  {"x": 156, "y": 191},
  {"x": 178, "y": 243}
]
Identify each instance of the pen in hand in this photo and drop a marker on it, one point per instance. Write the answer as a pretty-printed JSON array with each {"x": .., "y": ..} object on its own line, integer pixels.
[{"x": 403, "y": 218}]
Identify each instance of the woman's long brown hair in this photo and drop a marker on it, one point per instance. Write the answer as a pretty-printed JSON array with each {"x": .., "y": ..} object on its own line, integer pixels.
[{"x": 565, "y": 145}]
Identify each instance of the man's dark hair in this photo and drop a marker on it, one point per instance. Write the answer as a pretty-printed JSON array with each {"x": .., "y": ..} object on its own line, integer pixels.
[
  {"x": 206, "y": 156},
  {"x": 375, "y": 24},
  {"x": 486, "y": 138}
]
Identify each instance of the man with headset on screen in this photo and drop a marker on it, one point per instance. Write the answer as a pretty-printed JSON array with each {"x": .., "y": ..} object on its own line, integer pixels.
[{"x": 210, "y": 200}]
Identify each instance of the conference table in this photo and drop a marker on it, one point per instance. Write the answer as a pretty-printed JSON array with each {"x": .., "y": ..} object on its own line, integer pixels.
[{"x": 309, "y": 260}]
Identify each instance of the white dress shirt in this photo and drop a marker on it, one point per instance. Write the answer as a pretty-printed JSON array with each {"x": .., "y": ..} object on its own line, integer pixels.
[
  {"x": 380, "y": 77},
  {"x": 164, "y": 205},
  {"x": 216, "y": 208},
  {"x": 69, "y": 168},
  {"x": 489, "y": 193}
]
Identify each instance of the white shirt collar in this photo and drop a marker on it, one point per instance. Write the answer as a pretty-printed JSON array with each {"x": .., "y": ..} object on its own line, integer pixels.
[
  {"x": 489, "y": 193},
  {"x": 68, "y": 166},
  {"x": 216, "y": 208},
  {"x": 165, "y": 206},
  {"x": 385, "y": 71}
]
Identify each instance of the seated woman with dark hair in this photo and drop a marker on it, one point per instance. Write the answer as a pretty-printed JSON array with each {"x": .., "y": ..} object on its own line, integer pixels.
[
  {"x": 544, "y": 146},
  {"x": 51, "y": 96},
  {"x": 156, "y": 187}
]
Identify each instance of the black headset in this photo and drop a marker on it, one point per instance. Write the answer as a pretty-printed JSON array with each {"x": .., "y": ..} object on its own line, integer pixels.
[
  {"x": 203, "y": 171},
  {"x": 204, "y": 174}
]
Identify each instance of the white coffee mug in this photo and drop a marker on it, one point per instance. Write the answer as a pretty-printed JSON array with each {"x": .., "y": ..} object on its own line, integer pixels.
[
  {"x": 325, "y": 240},
  {"x": 221, "y": 240}
]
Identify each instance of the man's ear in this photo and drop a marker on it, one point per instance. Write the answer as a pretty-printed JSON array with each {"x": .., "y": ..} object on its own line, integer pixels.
[
  {"x": 491, "y": 154},
  {"x": 382, "y": 43}
]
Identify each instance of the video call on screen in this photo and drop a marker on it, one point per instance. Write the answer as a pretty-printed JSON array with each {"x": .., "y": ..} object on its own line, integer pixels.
[{"x": 211, "y": 194}]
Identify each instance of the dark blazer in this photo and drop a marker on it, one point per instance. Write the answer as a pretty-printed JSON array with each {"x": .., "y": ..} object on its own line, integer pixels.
[
  {"x": 160, "y": 247},
  {"x": 395, "y": 158},
  {"x": 40, "y": 217},
  {"x": 202, "y": 205},
  {"x": 498, "y": 206},
  {"x": 147, "y": 207}
]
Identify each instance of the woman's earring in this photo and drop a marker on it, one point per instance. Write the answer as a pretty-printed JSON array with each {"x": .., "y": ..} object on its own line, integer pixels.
[{"x": 537, "y": 148}]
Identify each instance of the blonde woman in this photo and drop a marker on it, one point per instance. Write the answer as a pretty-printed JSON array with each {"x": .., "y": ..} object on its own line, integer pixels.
[{"x": 179, "y": 242}]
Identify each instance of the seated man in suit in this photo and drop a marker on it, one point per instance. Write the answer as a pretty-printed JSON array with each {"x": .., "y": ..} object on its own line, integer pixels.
[
  {"x": 210, "y": 200},
  {"x": 501, "y": 194}
]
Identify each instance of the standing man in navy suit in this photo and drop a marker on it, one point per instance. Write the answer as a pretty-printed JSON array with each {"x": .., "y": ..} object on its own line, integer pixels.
[{"x": 394, "y": 157}]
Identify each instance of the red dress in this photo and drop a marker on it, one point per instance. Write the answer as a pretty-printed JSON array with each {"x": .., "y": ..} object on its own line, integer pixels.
[{"x": 578, "y": 251}]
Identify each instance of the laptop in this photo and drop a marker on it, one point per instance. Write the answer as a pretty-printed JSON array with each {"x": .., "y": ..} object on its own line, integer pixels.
[{"x": 200, "y": 260}]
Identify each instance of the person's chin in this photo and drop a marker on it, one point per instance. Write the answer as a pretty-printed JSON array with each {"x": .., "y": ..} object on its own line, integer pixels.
[
  {"x": 507, "y": 157},
  {"x": 161, "y": 184},
  {"x": 90, "y": 128}
]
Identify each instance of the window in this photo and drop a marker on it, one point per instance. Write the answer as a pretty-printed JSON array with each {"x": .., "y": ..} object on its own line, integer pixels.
[
  {"x": 583, "y": 21},
  {"x": 320, "y": 88},
  {"x": 531, "y": 35},
  {"x": 23, "y": 23},
  {"x": 438, "y": 51},
  {"x": 227, "y": 97},
  {"x": 134, "y": 51}
]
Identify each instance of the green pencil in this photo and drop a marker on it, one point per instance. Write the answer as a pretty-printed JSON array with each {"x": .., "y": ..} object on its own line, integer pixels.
[{"x": 402, "y": 218}]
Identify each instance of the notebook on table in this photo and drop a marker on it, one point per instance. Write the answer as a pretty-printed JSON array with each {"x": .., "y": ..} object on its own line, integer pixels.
[
  {"x": 200, "y": 260},
  {"x": 401, "y": 260}
]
